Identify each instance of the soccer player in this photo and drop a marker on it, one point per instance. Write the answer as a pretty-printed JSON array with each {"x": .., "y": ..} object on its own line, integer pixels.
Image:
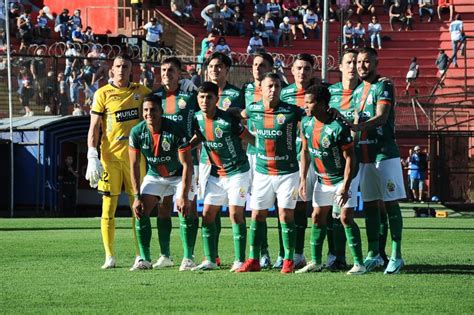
[
  {"x": 381, "y": 176},
  {"x": 115, "y": 110},
  {"x": 221, "y": 134},
  {"x": 252, "y": 92},
  {"x": 303, "y": 74},
  {"x": 277, "y": 171},
  {"x": 331, "y": 148},
  {"x": 179, "y": 105},
  {"x": 167, "y": 151},
  {"x": 218, "y": 66}
]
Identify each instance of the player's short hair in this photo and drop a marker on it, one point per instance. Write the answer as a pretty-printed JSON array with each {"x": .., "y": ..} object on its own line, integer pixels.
[
  {"x": 320, "y": 93},
  {"x": 369, "y": 51},
  {"x": 221, "y": 57},
  {"x": 271, "y": 75},
  {"x": 209, "y": 87},
  {"x": 305, "y": 57},
  {"x": 124, "y": 57},
  {"x": 174, "y": 61},
  {"x": 348, "y": 51},
  {"x": 153, "y": 98},
  {"x": 265, "y": 56}
]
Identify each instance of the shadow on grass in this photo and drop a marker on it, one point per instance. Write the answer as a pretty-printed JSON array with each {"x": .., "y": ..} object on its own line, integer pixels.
[{"x": 439, "y": 269}]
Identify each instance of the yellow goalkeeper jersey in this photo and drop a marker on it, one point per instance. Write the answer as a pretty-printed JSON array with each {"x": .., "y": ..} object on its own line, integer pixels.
[{"x": 120, "y": 111}]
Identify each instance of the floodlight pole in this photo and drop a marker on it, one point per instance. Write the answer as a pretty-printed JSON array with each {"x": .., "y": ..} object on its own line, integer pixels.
[
  {"x": 324, "y": 53},
  {"x": 10, "y": 106}
]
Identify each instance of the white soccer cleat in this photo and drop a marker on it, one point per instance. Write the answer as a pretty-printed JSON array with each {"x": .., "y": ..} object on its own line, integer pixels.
[
  {"x": 142, "y": 265},
  {"x": 265, "y": 261},
  {"x": 300, "y": 261},
  {"x": 163, "y": 262},
  {"x": 373, "y": 263},
  {"x": 187, "y": 264},
  {"x": 278, "y": 263},
  {"x": 394, "y": 266},
  {"x": 357, "y": 270},
  {"x": 110, "y": 263},
  {"x": 311, "y": 267},
  {"x": 206, "y": 265},
  {"x": 236, "y": 266}
]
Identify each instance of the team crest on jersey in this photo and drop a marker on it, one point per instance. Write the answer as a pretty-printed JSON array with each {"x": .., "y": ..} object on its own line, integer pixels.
[
  {"x": 181, "y": 103},
  {"x": 390, "y": 186},
  {"x": 325, "y": 143},
  {"x": 226, "y": 103},
  {"x": 136, "y": 96},
  {"x": 242, "y": 192},
  {"x": 218, "y": 132},
  {"x": 281, "y": 119},
  {"x": 165, "y": 145}
]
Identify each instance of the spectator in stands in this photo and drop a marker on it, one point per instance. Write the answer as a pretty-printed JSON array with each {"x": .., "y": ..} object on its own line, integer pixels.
[
  {"x": 442, "y": 64},
  {"x": 147, "y": 78},
  {"x": 310, "y": 21},
  {"x": 260, "y": 8},
  {"x": 426, "y": 6},
  {"x": 77, "y": 110},
  {"x": 239, "y": 22},
  {"x": 102, "y": 73},
  {"x": 74, "y": 86},
  {"x": 408, "y": 12},
  {"x": 15, "y": 12},
  {"x": 296, "y": 22},
  {"x": 209, "y": 13},
  {"x": 364, "y": 6},
  {"x": 177, "y": 8},
  {"x": 42, "y": 29},
  {"x": 348, "y": 34},
  {"x": 154, "y": 30},
  {"x": 227, "y": 15},
  {"x": 75, "y": 21},
  {"x": 255, "y": 23},
  {"x": 375, "y": 28},
  {"x": 285, "y": 29},
  {"x": 62, "y": 97},
  {"x": 39, "y": 73},
  {"x": 412, "y": 75},
  {"x": 25, "y": 30},
  {"x": 49, "y": 94},
  {"x": 25, "y": 90},
  {"x": 444, "y": 5},
  {"x": 270, "y": 32},
  {"x": 137, "y": 8},
  {"x": 456, "y": 28},
  {"x": 88, "y": 79},
  {"x": 359, "y": 35},
  {"x": 255, "y": 44},
  {"x": 274, "y": 9},
  {"x": 194, "y": 76},
  {"x": 68, "y": 179},
  {"x": 344, "y": 9},
  {"x": 188, "y": 11},
  {"x": 71, "y": 53},
  {"x": 418, "y": 167},
  {"x": 290, "y": 6},
  {"x": 205, "y": 44},
  {"x": 77, "y": 36},
  {"x": 2, "y": 17},
  {"x": 222, "y": 47},
  {"x": 89, "y": 36},
  {"x": 61, "y": 24},
  {"x": 396, "y": 16}
]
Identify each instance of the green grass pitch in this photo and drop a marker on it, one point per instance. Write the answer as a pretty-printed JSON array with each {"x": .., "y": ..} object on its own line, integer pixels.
[{"x": 53, "y": 266}]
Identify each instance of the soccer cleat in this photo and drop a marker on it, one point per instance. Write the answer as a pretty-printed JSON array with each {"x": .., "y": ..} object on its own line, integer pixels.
[
  {"x": 249, "y": 266},
  {"x": 357, "y": 270},
  {"x": 236, "y": 266},
  {"x": 338, "y": 266},
  {"x": 330, "y": 261},
  {"x": 278, "y": 263},
  {"x": 218, "y": 261},
  {"x": 300, "y": 261},
  {"x": 373, "y": 263},
  {"x": 311, "y": 267},
  {"x": 265, "y": 261},
  {"x": 163, "y": 262},
  {"x": 109, "y": 263},
  {"x": 205, "y": 265},
  {"x": 142, "y": 265},
  {"x": 288, "y": 266},
  {"x": 187, "y": 264},
  {"x": 394, "y": 266}
]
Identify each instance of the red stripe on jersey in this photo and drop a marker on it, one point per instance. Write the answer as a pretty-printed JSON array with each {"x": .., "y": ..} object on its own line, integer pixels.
[
  {"x": 346, "y": 99},
  {"x": 209, "y": 134},
  {"x": 270, "y": 148},
  {"x": 162, "y": 170},
  {"x": 217, "y": 161},
  {"x": 383, "y": 102},
  {"x": 317, "y": 128},
  {"x": 208, "y": 129},
  {"x": 170, "y": 107},
  {"x": 186, "y": 148},
  {"x": 257, "y": 94},
  {"x": 365, "y": 94},
  {"x": 299, "y": 98}
]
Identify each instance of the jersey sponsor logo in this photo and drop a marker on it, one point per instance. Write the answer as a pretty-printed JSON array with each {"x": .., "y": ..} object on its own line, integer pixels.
[
  {"x": 126, "y": 114},
  {"x": 273, "y": 158},
  {"x": 226, "y": 103},
  {"x": 214, "y": 145},
  {"x": 173, "y": 117},
  {"x": 181, "y": 103},
  {"x": 337, "y": 157},
  {"x": 165, "y": 145},
  {"x": 317, "y": 153},
  {"x": 218, "y": 131},
  {"x": 158, "y": 159},
  {"x": 325, "y": 143},
  {"x": 281, "y": 119},
  {"x": 390, "y": 186},
  {"x": 267, "y": 132},
  {"x": 368, "y": 141},
  {"x": 379, "y": 130},
  {"x": 287, "y": 91}
]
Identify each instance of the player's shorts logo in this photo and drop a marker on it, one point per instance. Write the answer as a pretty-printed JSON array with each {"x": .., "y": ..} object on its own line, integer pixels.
[
  {"x": 226, "y": 103},
  {"x": 325, "y": 142},
  {"x": 390, "y": 186},
  {"x": 294, "y": 194},
  {"x": 218, "y": 131},
  {"x": 181, "y": 103},
  {"x": 165, "y": 145},
  {"x": 242, "y": 192},
  {"x": 281, "y": 119}
]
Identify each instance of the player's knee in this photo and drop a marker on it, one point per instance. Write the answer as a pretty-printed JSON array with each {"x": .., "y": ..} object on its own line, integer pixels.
[
  {"x": 259, "y": 216},
  {"x": 347, "y": 217}
]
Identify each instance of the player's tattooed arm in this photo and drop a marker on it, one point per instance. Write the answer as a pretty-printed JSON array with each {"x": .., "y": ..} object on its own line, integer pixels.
[
  {"x": 381, "y": 115},
  {"x": 304, "y": 166}
]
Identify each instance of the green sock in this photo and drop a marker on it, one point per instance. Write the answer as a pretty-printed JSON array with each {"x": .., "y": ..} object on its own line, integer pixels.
[
  {"x": 239, "y": 233},
  {"x": 396, "y": 226},
  {"x": 209, "y": 241},
  {"x": 143, "y": 232},
  {"x": 164, "y": 235},
  {"x": 264, "y": 248},
  {"x": 218, "y": 230},
  {"x": 330, "y": 234},
  {"x": 187, "y": 232},
  {"x": 318, "y": 233},
  {"x": 256, "y": 235},
  {"x": 355, "y": 245},
  {"x": 281, "y": 248},
  {"x": 301, "y": 222},
  {"x": 339, "y": 240},
  {"x": 288, "y": 234},
  {"x": 383, "y": 231},
  {"x": 372, "y": 226}
]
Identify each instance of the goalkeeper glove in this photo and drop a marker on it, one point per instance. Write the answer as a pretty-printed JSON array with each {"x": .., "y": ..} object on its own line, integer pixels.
[{"x": 94, "y": 167}]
